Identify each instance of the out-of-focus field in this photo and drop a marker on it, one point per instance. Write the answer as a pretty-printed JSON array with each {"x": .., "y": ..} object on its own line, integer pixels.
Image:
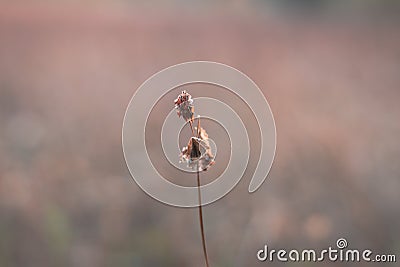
[{"x": 67, "y": 71}]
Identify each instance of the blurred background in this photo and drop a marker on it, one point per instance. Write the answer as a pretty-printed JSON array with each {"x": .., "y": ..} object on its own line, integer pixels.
[{"x": 330, "y": 71}]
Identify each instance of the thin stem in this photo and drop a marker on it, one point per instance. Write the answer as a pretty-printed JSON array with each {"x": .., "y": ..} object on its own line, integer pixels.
[
  {"x": 191, "y": 126},
  {"x": 203, "y": 239}
]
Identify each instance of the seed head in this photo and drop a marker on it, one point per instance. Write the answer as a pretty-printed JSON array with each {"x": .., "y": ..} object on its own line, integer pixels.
[
  {"x": 184, "y": 106},
  {"x": 198, "y": 151}
]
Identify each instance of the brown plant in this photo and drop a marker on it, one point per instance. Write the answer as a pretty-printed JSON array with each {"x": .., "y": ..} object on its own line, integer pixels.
[{"x": 197, "y": 154}]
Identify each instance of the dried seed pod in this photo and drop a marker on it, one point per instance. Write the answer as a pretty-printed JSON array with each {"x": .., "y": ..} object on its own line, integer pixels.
[
  {"x": 191, "y": 152},
  {"x": 184, "y": 106},
  {"x": 198, "y": 153}
]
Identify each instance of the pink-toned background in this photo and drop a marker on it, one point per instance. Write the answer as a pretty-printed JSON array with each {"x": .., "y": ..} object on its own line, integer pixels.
[{"x": 330, "y": 71}]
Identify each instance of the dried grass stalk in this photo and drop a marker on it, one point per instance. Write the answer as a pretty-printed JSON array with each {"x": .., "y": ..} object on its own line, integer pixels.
[{"x": 197, "y": 154}]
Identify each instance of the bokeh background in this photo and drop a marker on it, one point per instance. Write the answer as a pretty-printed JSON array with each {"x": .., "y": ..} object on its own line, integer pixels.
[{"x": 329, "y": 69}]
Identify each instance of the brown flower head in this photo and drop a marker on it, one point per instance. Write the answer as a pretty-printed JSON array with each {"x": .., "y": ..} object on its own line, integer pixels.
[
  {"x": 184, "y": 106},
  {"x": 198, "y": 153}
]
